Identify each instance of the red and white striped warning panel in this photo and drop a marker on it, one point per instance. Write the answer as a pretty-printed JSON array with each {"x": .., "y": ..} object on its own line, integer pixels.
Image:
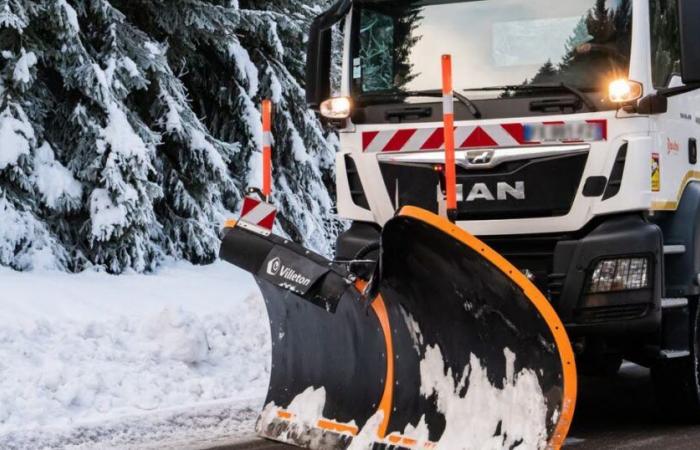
[
  {"x": 476, "y": 136},
  {"x": 258, "y": 213}
]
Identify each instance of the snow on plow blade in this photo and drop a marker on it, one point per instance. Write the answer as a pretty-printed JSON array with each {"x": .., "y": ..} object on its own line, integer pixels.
[{"x": 457, "y": 351}]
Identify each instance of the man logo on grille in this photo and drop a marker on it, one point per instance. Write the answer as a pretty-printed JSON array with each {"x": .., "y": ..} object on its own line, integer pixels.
[
  {"x": 273, "y": 267},
  {"x": 482, "y": 192},
  {"x": 480, "y": 157}
]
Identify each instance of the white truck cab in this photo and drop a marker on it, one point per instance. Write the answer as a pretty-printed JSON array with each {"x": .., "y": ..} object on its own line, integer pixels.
[{"x": 576, "y": 130}]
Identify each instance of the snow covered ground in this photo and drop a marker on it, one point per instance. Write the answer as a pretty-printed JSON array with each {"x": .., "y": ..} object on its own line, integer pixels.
[{"x": 179, "y": 359}]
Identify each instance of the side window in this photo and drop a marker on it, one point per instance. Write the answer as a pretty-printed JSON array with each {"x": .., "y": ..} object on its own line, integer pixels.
[
  {"x": 376, "y": 51},
  {"x": 665, "y": 41}
]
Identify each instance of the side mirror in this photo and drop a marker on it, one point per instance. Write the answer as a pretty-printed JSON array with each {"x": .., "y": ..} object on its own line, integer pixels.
[
  {"x": 653, "y": 104},
  {"x": 689, "y": 16},
  {"x": 318, "y": 59}
]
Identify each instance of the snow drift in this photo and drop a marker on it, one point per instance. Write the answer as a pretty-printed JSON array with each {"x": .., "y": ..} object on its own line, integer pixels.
[{"x": 82, "y": 356}]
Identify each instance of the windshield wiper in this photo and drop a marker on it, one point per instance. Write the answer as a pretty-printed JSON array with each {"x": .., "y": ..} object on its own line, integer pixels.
[
  {"x": 436, "y": 93},
  {"x": 542, "y": 87},
  {"x": 463, "y": 99}
]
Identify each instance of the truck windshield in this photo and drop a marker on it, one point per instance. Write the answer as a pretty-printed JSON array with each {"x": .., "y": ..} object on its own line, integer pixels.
[{"x": 582, "y": 43}]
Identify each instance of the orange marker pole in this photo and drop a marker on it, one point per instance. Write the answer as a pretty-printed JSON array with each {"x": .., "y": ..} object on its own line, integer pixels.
[
  {"x": 449, "y": 127},
  {"x": 267, "y": 148}
]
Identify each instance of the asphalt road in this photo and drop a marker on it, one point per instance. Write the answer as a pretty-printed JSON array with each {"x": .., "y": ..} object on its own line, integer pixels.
[
  {"x": 620, "y": 413},
  {"x": 615, "y": 413}
]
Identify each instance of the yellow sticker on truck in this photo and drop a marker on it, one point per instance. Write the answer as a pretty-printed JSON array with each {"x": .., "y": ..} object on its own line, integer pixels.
[{"x": 655, "y": 172}]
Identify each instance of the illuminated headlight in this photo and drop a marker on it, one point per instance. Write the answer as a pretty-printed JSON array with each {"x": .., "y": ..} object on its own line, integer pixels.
[
  {"x": 623, "y": 274},
  {"x": 337, "y": 108},
  {"x": 624, "y": 91}
]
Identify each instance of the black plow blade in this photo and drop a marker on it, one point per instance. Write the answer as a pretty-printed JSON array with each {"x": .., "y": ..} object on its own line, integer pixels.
[{"x": 457, "y": 351}]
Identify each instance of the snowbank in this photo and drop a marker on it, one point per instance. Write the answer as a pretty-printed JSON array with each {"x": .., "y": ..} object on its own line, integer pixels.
[{"x": 94, "y": 359}]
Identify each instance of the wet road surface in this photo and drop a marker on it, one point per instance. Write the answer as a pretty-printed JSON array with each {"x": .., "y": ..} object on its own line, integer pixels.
[{"x": 613, "y": 413}]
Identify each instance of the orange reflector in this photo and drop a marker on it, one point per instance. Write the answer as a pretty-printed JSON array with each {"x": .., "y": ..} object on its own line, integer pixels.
[
  {"x": 231, "y": 223},
  {"x": 267, "y": 148},
  {"x": 407, "y": 442},
  {"x": 284, "y": 415},
  {"x": 337, "y": 427}
]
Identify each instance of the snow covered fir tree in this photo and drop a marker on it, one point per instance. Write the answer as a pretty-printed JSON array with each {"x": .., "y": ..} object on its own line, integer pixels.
[{"x": 130, "y": 129}]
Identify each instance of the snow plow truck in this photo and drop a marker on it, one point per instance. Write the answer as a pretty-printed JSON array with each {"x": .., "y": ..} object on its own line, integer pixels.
[{"x": 537, "y": 217}]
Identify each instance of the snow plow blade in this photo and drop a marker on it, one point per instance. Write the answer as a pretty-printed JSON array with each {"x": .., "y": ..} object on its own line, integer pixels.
[{"x": 457, "y": 351}]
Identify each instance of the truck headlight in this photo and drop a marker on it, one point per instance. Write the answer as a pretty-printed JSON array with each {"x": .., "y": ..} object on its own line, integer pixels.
[
  {"x": 624, "y": 91},
  {"x": 336, "y": 108},
  {"x": 620, "y": 274}
]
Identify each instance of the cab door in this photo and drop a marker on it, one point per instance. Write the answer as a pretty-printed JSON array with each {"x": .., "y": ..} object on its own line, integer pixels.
[{"x": 676, "y": 132}]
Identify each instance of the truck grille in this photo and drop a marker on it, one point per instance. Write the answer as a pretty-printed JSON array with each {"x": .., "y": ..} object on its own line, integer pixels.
[
  {"x": 411, "y": 185},
  {"x": 534, "y": 254},
  {"x": 550, "y": 186},
  {"x": 528, "y": 188},
  {"x": 611, "y": 313}
]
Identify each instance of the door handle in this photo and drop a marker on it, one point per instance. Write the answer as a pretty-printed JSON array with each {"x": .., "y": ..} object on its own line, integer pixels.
[{"x": 693, "y": 151}]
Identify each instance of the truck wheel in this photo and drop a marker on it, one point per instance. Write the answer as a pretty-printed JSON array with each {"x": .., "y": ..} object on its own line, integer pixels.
[{"x": 677, "y": 381}]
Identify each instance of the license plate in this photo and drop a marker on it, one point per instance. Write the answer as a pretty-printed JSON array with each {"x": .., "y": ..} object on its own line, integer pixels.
[{"x": 565, "y": 132}]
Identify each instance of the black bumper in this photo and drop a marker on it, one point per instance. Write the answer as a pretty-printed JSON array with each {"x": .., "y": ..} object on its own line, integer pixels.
[{"x": 562, "y": 266}]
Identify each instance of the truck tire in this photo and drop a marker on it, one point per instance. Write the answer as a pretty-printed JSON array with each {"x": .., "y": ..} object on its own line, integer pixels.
[{"x": 677, "y": 381}]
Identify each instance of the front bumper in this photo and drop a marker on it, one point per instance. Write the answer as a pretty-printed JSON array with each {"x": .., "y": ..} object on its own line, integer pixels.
[{"x": 562, "y": 265}]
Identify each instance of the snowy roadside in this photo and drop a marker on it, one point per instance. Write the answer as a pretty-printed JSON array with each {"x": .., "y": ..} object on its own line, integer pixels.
[
  {"x": 194, "y": 427},
  {"x": 176, "y": 359}
]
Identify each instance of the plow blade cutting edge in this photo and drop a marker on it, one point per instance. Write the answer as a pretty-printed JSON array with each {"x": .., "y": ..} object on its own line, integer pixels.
[{"x": 457, "y": 351}]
